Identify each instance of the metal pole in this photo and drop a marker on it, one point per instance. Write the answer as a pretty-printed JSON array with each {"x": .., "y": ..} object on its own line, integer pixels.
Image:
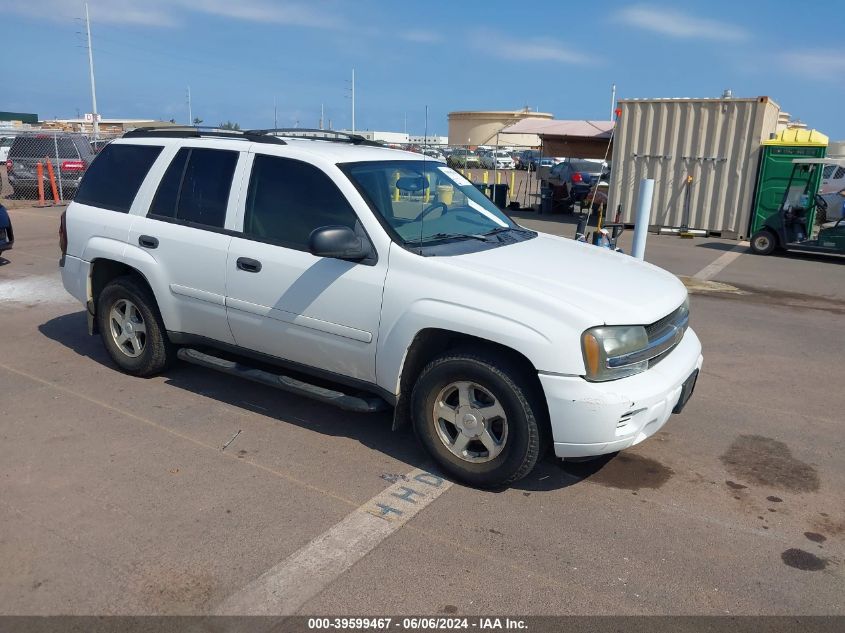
[
  {"x": 322, "y": 115},
  {"x": 275, "y": 115},
  {"x": 353, "y": 101},
  {"x": 644, "y": 198},
  {"x": 58, "y": 170},
  {"x": 190, "y": 113},
  {"x": 91, "y": 74},
  {"x": 612, "y": 101}
]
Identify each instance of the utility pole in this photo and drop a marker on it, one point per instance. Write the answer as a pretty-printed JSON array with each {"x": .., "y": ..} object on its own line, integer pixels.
[
  {"x": 353, "y": 101},
  {"x": 91, "y": 73},
  {"x": 190, "y": 113},
  {"x": 322, "y": 115},
  {"x": 275, "y": 115}
]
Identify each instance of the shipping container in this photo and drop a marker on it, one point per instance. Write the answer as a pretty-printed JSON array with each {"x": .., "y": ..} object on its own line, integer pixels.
[{"x": 703, "y": 155}]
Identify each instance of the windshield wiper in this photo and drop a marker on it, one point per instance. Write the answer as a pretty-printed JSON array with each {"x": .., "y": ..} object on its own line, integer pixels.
[
  {"x": 453, "y": 236},
  {"x": 507, "y": 229}
]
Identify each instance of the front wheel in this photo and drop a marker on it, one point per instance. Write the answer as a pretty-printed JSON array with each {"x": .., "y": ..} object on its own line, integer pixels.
[
  {"x": 763, "y": 242},
  {"x": 477, "y": 417}
]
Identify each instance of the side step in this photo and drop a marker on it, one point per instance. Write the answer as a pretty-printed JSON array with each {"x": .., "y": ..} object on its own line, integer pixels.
[{"x": 359, "y": 404}]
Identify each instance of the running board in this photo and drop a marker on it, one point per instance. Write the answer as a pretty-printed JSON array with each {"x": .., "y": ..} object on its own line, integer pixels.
[{"x": 359, "y": 404}]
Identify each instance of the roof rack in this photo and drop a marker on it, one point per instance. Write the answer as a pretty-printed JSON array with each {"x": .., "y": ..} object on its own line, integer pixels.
[
  {"x": 202, "y": 132},
  {"x": 316, "y": 134}
]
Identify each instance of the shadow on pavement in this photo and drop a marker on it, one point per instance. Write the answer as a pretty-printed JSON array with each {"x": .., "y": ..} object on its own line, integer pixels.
[
  {"x": 719, "y": 246},
  {"x": 372, "y": 430}
]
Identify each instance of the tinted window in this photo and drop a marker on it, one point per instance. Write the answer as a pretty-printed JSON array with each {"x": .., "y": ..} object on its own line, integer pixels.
[
  {"x": 196, "y": 186},
  {"x": 586, "y": 166},
  {"x": 33, "y": 146},
  {"x": 164, "y": 203},
  {"x": 113, "y": 179},
  {"x": 288, "y": 199}
]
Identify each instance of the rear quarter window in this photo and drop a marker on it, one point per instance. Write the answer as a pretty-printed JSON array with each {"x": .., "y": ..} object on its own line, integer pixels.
[{"x": 113, "y": 179}]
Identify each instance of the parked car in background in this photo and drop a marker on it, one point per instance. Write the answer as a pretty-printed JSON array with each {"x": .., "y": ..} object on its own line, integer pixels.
[
  {"x": 70, "y": 155},
  {"x": 531, "y": 159},
  {"x": 7, "y": 236},
  {"x": 5, "y": 144},
  {"x": 579, "y": 175},
  {"x": 464, "y": 159},
  {"x": 434, "y": 154},
  {"x": 499, "y": 159}
]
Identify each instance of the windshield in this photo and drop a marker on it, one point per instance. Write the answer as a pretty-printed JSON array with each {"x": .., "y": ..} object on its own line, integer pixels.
[
  {"x": 426, "y": 202},
  {"x": 580, "y": 164}
]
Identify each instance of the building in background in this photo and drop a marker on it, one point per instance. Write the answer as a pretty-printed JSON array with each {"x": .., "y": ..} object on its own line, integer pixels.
[
  {"x": 108, "y": 127},
  {"x": 10, "y": 119},
  {"x": 482, "y": 127},
  {"x": 391, "y": 138}
]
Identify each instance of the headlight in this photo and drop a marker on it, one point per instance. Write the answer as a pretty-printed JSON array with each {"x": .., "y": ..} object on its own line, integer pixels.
[{"x": 606, "y": 347}]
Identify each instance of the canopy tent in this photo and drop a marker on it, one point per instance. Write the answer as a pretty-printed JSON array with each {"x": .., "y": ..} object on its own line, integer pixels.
[{"x": 575, "y": 139}]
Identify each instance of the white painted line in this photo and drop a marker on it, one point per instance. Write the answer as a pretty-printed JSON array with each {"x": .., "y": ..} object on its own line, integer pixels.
[
  {"x": 711, "y": 270},
  {"x": 36, "y": 289},
  {"x": 284, "y": 588}
]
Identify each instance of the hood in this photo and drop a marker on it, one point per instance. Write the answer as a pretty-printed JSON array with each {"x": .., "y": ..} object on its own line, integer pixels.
[{"x": 609, "y": 288}]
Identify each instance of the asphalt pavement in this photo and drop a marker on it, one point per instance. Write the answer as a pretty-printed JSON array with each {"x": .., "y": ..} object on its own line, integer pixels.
[{"x": 197, "y": 493}]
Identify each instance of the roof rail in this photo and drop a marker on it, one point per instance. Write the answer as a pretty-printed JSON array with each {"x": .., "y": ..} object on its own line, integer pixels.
[
  {"x": 202, "y": 132},
  {"x": 316, "y": 134}
]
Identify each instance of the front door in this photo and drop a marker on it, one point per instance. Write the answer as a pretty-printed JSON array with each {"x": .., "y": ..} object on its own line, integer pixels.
[{"x": 284, "y": 301}]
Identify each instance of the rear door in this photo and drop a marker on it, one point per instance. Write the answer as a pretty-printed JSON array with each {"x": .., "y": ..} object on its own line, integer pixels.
[
  {"x": 185, "y": 232},
  {"x": 284, "y": 301}
]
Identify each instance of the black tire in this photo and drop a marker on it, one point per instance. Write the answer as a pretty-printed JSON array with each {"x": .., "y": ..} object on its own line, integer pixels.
[
  {"x": 157, "y": 352},
  {"x": 503, "y": 379},
  {"x": 764, "y": 242}
]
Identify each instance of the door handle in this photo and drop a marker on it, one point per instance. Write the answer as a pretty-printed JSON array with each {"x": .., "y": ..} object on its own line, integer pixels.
[
  {"x": 148, "y": 241},
  {"x": 249, "y": 265}
]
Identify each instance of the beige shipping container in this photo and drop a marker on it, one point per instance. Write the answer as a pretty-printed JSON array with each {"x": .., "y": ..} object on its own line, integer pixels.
[{"x": 716, "y": 142}]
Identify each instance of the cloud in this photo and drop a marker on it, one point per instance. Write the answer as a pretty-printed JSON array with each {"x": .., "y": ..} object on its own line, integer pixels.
[
  {"x": 165, "y": 13},
  {"x": 679, "y": 25},
  {"x": 818, "y": 64},
  {"x": 421, "y": 36},
  {"x": 541, "y": 49}
]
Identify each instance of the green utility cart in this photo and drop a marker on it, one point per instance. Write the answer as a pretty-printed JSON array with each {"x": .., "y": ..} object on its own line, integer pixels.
[{"x": 776, "y": 173}]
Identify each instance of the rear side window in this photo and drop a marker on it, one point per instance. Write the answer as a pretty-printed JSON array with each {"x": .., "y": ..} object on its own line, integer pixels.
[
  {"x": 113, "y": 179},
  {"x": 288, "y": 199},
  {"x": 39, "y": 146},
  {"x": 195, "y": 187}
]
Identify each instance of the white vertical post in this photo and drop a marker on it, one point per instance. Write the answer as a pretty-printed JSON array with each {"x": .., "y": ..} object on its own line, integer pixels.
[
  {"x": 91, "y": 74},
  {"x": 612, "y": 102},
  {"x": 353, "y": 101},
  {"x": 644, "y": 198},
  {"x": 190, "y": 111}
]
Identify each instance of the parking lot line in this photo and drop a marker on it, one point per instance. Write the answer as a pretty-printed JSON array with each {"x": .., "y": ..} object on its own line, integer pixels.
[
  {"x": 714, "y": 268},
  {"x": 161, "y": 427},
  {"x": 284, "y": 588}
]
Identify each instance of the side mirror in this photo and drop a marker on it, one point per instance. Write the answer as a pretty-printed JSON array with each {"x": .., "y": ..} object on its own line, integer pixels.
[{"x": 338, "y": 242}]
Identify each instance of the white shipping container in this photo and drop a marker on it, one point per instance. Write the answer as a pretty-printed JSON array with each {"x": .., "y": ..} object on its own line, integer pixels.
[{"x": 716, "y": 142}]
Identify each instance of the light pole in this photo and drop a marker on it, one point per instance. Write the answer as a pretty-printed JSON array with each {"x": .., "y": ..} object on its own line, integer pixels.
[{"x": 91, "y": 74}]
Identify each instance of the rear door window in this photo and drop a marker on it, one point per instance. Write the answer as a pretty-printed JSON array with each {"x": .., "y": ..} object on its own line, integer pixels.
[
  {"x": 41, "y": 146},
  {"x": 195, "y": 188},
  {"x": 113, "y": 179}
]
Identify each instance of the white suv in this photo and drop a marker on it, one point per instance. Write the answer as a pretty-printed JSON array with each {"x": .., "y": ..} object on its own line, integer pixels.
[{"x": 369, "y": 277}]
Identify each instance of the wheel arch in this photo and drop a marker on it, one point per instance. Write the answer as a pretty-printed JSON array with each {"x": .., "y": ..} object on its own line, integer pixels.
[
  {"x": 429, "y": 343},
  {"x": 103, "y": 271}
]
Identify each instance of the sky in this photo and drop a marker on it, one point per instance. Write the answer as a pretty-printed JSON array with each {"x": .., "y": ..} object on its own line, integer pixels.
[{"x": 238, "y": 56}]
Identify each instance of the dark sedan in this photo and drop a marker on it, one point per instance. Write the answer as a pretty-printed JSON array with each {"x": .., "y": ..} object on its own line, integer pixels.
[{"x": 7, "y": 236}]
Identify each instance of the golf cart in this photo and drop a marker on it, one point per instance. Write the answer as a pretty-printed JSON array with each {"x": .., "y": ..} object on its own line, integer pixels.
[{"x": 789, "y": 228}]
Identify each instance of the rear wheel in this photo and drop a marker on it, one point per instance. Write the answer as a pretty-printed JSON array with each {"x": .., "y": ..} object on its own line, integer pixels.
[
  {"x": 763, "y": 242},
  {"x": 132, "y": 329},
  {"x": 477, "y": 418}
]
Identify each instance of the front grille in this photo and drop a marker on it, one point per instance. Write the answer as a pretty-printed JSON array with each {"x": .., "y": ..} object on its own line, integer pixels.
[{"x": 656, "y": 329}]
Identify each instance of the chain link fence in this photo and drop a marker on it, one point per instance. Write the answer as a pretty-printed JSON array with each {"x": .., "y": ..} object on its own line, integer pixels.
[{"x": 46, "y": 166}]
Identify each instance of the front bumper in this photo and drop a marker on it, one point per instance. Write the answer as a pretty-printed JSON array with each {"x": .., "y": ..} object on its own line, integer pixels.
[{"x": 594, "y": 418}]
